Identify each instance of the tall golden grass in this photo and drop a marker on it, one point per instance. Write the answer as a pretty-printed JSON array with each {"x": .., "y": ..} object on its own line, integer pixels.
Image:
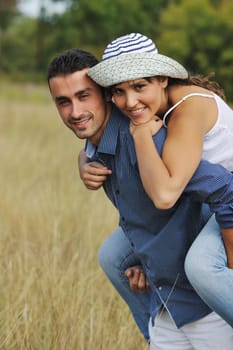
[{"x": 53, "y": 295}]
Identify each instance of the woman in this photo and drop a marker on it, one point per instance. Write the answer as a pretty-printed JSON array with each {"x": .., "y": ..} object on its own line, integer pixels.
[{"x": 149, "y": 87}]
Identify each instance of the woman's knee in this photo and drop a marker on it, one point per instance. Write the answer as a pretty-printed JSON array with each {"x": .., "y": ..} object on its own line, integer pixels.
[
  {"x": 203, "y": 269},
  {"x": 206, "y": 257},
  {"x": 195, "y": 266}
]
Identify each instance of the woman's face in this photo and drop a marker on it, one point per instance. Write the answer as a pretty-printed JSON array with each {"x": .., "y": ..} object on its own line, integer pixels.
[{"x": 141, "y": 99}]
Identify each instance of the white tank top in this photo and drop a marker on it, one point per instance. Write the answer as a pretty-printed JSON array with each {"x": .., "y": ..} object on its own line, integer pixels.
[{"x": 218, "y": 142}]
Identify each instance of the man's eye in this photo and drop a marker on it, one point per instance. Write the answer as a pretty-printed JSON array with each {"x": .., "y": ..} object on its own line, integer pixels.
[
  {"x": 83, "y": 96},
  {"x": 62, "y": 102}
]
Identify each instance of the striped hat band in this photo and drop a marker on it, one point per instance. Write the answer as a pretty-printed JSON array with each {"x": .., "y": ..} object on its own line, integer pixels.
[
  {"x": 134, "y": 56},
  {"x": 133, "y": 42}
]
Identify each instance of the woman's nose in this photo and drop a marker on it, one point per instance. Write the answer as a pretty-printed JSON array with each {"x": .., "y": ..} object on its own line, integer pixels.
[{"x": 131, "y": 100}]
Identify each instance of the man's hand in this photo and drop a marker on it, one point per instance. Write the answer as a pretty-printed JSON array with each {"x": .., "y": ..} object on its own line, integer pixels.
[
  {"x": 227, "y": 235},
  {"x": 93, "y": 174},
  {"x": 137, "y": 279}
]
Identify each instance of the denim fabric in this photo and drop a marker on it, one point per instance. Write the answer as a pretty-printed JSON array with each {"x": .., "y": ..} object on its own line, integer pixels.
[
  {"x": 205, "y": 266},
  {"x": 160, "y": 238},
  {"x": 115, "y": 256}
]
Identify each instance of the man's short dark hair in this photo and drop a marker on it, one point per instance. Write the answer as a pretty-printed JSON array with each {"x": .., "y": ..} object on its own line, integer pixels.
[{"x": 70, "y": 61}]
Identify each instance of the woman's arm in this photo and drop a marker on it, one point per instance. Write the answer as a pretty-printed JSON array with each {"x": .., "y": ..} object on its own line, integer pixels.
[{"x": 165, "y": 178}]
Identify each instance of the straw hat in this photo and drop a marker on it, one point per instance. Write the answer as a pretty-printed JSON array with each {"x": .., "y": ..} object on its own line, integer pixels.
[{"x": 134, "y": 56}]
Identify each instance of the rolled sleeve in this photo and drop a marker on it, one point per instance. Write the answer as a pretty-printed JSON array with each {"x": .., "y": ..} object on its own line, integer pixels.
[{"x": 213, "y": 184}]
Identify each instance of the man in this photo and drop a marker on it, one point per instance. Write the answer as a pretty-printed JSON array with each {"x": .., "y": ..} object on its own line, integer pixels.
[
  {"x": 86, "y": 110},
  {"x": 68, "y": 71}
]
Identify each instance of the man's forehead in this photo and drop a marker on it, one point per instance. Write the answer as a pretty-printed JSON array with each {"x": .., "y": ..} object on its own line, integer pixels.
[
  {"x": 76, "y": 77},
  {"x": 75, "y": 82}
]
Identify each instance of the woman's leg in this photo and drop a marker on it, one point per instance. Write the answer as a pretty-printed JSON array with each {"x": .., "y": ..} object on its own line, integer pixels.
[
  {"x": 115, "y": 256},
  {"x": 206, "y": 269}
]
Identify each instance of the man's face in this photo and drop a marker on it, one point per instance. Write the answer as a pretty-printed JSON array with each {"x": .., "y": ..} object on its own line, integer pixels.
[{"x": 81, "y": 104}]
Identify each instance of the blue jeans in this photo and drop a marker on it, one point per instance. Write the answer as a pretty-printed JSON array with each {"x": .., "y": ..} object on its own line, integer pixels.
[
  {"x": 206, "y": 269},
  {"x": 205, "y": 266},
  {"x": 115, "y": 256}
]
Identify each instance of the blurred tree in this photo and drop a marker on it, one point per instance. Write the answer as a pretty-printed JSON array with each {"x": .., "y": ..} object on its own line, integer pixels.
[
  {"x": 198, "y": 33},
  {"x": 17, "y": 44},
  {"x": 8, "y": 10},
  {"x": 92, "y": 23},
  {"x": 225, "y": 67},
  {"x": 43, "y": 28},
  {"x": 202, "y": 38}
]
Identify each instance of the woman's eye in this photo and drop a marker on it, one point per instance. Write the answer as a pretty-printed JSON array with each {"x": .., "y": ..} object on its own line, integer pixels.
[
  {"x": 139, "y": 86},
  {"x": 117, "y": 91}
]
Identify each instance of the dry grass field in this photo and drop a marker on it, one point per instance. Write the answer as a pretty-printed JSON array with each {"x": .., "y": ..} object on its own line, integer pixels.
[{"x": 53, "y": 295}]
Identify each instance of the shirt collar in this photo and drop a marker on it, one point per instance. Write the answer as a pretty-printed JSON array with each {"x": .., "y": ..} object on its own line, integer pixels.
[
  {"x": 90, "y": 149},
  {"x": 108, "y": 140}
]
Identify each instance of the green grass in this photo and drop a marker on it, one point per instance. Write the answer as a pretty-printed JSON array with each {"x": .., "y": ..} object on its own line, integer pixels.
[{"x": 53, "y": 295}]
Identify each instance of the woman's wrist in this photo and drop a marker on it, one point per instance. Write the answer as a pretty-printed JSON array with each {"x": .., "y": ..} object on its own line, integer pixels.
[{"x": 142, "y": 130}]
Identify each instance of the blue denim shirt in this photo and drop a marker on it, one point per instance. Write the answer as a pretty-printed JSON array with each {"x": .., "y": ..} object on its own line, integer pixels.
[{"x": 160, "y": 238}]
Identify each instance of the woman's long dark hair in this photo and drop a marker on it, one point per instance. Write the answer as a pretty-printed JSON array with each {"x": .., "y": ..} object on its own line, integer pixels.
[{"x": 199, "y": 80}]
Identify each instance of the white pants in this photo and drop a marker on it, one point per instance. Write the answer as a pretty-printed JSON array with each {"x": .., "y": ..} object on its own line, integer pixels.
[{"x": 209, "y": 333}]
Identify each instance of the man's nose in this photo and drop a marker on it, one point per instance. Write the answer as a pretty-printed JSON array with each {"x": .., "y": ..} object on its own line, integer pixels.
[{"x": 76, "y": 109}]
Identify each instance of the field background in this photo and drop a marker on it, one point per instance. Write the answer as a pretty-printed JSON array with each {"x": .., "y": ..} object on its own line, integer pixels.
[{"x": 53, "y": 295}]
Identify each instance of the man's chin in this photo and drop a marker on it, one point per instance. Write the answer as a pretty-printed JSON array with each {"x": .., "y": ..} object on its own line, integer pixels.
[{"x": 81, "y": 134}]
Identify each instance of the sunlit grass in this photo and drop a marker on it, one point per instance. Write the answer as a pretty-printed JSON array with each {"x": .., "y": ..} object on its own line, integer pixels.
[{"x": 53, "y": 295}]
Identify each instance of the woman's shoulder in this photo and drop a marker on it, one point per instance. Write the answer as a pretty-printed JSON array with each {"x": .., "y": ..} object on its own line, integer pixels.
[
  {"x": 180, "y": 92},
  {"x": 194, "y": 101}
]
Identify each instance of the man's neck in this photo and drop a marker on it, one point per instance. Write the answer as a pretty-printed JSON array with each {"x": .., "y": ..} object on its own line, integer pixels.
[{"x": 96, "y": 138}]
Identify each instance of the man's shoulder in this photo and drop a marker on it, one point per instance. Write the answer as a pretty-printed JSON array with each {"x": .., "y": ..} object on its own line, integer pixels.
[{"x": 118, "y": 116}]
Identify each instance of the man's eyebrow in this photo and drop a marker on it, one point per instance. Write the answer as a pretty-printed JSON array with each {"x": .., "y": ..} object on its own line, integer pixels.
[
  {"x": 78, "y": 93},
  {"x": 83, "y": 91},
  {"x": 60, "y": 98}
]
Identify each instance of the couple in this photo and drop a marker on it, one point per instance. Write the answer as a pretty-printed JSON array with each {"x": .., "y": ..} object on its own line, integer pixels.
[{"x": 157, "y": 239}]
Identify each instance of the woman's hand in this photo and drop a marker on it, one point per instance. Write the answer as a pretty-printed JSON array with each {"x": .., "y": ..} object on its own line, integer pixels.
[{"x": 153, "y": 126}]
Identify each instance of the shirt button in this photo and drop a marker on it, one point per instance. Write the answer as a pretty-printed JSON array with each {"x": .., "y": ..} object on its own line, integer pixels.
[{"x": 160, "y": 288}]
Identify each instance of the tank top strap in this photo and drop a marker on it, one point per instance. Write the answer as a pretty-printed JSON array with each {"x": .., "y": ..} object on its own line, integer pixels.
[{"x": 180, "y": 101}]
